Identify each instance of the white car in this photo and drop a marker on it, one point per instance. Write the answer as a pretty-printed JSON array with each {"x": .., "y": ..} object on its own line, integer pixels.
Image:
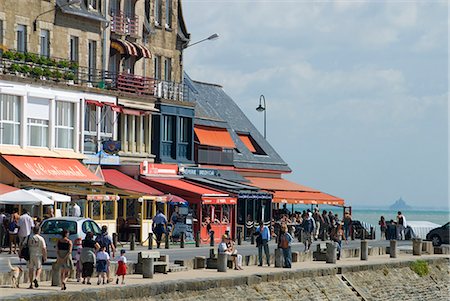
[{"x": 52, "y": 228}]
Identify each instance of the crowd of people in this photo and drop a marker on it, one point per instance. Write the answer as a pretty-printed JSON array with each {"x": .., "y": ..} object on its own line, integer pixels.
[{"x": 393, "y": 229}]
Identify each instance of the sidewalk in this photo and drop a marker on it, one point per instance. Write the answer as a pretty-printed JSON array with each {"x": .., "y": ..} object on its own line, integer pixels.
[{"x": 79, "y": 291}]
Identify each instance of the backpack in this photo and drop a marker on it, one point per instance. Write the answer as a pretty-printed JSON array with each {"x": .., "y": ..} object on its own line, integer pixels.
[
  {"x": 284, "y": 242},
  {"x": 12, "y": 226},
  {"x": 103, "y": 241}
]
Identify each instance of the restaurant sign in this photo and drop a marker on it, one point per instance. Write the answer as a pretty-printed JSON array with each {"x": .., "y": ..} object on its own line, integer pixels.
[
  {"x": 150, "y": 169},
  {"x": 199, "y": 172},
  {"x": 219, "y": 200}
]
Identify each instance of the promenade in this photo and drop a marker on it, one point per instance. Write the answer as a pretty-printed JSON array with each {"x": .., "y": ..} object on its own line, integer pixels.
[{"x": 192, "y": 280}]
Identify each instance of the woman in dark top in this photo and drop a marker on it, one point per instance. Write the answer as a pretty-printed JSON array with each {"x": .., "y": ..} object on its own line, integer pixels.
[
  {"x": 64, "y": 257},
  {"x": 90, "y": 247}
]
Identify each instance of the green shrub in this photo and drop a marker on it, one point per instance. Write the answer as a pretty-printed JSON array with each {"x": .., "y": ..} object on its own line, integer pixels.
[
  {"x": 37, "y": 72},
  {"x": 9, "y": 55},
  {"x": 63, "y": 64},
  {"x": 15, "y": 68},
  {"x": 47, "y": 72},
  {"x": 31, "y": 57},
  {"x": 19, "y": 56},
  {"x": 57, "y": 74},
  {"x": 51, "y": 62},
  {"x": 420, "y": 267},
  {"x": 73, "y": 65},
  {"x": 69, "y": 76},
  {"x": 42, "y": 60},
  {"x": 25, "y": 69}
]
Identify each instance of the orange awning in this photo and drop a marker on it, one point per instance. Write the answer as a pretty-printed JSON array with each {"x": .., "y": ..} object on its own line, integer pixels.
[
  {"x": 213, "y": 136},
  {"x": 248, "y": 143},
  {"x": 52, "y": 169},
  {"x": 302, "y": 197}
]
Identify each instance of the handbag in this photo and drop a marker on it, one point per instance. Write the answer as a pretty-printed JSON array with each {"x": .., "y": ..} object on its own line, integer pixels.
[{"x": 25, "y": 251}]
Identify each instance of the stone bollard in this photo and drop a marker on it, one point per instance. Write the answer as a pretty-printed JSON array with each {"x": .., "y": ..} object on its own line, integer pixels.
[
  {"x": 182, "y": 240},
  {"x": 114, "y": 238},
  {"x": 150, "y": 241},
  {"x": 56, "y": 280},
  {"x": 331, "y": 252},
  {"x": 278, "y": 258},
  {"x": 147, "y": 268},
  {"x": 393, "y": 249},
  {"x": 364, "y": 249},
  {"x": 211, "y": 242},
  {"x": 132, "y": 241},
  {"x": 197, "y": 239},
  {"x": 166, "y": 243},
  {"x": 211, "y": 253},
  {"x": 295, "y": 256},
  {"x": 417, "y": 246},
  {"x": 222, "y": 262}
]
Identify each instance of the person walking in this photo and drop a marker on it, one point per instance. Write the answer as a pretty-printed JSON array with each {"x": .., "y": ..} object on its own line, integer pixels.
[
  {"x": 262, "y": 242},
  {"x": 87, "y": 257},
  {"x": 308, "y": 228},
  {"x": 38, "y": 255},
  {"x": 318, "y": 219},
  {"x": 74, "y": 209},
  {"x": 102, "y": 265},
  {"x": 159, "y": 226},
  {"x": 383, "y": 227},
  {"x": 122, "y": 267},
  {"x": 105, "y": 240},
  {"x": 347, "y": 224},
  {"x": 326, "y": 225},
  {"x": 336, "y": 235},
  {"x": 3, "y": 230},
  {"x": 24, "y": 225},
  {"x": 401, "y": 226},
  {"x": 284, "y": 242},
  {"x": 64, "y": 257}
]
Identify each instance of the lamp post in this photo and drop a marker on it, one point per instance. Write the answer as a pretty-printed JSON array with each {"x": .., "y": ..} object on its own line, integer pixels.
[
  {"x": 211, "y": 37},
  {"x": 261, "y": 108},
  {"x": 69, "y": 2}
]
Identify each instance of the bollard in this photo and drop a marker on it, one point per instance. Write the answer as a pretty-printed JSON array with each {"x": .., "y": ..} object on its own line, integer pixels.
[
  {"x": 114, "y": 237},
  {"x": 147, "y": 268},
  {"x": 133, "y": 241},
  {"x": 331, "y": 252},
  {"x": 197, "y": 239},
  {"x": 182, "y": 240},
  {"x": 166, "y": 243},
  {"x": 364, "y": 250},
  {"x": 211, "y": 253},
  {"x": 150, "y": 241},
  {"x": 239, "y": 236},
  {"x": 417, "y": 246},
  {"x": 393, "y": 249},
  {"x": 55, "y": 274},
  {"x": 278, "y": 258},
  {"x": 222, "y": 262},
  {"x": 211, "y": 243},
  {"x": 252, "y": 239}
]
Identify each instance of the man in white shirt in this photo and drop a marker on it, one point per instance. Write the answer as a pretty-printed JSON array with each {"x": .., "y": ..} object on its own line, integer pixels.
[
  {"x": 25, "y": 225},
  {"x": 38, "y": 254},
  {"x": 75, "y": 209}
]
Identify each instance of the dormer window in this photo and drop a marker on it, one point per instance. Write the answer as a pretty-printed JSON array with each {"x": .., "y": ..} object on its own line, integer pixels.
[{"x": 251, "y": 144}]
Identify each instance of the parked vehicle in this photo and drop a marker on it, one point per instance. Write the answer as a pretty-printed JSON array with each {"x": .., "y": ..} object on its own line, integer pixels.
[
  {"x": 439, "y": 236},
  {"x": 52, "y": 228}
]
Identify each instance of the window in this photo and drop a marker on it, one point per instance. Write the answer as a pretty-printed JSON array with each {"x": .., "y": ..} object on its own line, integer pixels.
[
  {"x": 9, "y": 119},
  {"x": 90, "y": 226},
  {"x": 74, "y": 44},
  {"x": 37, "y": 118},
  {"x": 167, "y": 128},
  {"x": 114, "y": 7},
  {"x": 21, "y": 38},
  {"x": 90, "y": 118},
  {"x": 157, "y": 71},
  {"x": 168, "y": 69},
  {"x": 64, "y": 124},
  {"x": 57, "y": 226},
  {"x": 168, "y": 13},
  {"x": 45, "y": 43},
  {"x": 92, "y": 4},
  {"x": 251, "y": 144},
  {"x": 158, "y": 9},
  {"x": 106, "y": 127},
  {"x": 184, "y": 129},
  {"x": 92, "y": 59}
]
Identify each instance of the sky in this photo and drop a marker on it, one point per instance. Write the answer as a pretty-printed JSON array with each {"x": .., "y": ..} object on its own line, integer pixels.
[{"x": 356, "y": 91}]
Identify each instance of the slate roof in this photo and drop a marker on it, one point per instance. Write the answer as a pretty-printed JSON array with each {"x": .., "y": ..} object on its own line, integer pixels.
[{"x": 215, "y": 108}]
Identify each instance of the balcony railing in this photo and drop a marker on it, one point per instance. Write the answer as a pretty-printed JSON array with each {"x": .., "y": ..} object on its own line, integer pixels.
[
  {"x": 212, "y": 156},
  {"x": 29, "y": 65},
  {"x": 124, "y": 25}
]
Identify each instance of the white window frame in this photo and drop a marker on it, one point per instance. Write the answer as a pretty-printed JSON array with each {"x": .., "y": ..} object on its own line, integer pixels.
[
  {"x": 44, "y": 39},
  {"x": 21, "y": 38},
  {"x": 69, "y": 126},
  {"x": 43, "y": 125},
  {"x": 16, "y": 102}
]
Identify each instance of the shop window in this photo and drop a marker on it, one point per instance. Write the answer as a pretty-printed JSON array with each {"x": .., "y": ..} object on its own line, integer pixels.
[
  {"x": 108, "y": 210},
  {"x": 9, "y": 119},
  {"x": 64, "y": 124},
  {"x": 45, "y": 43},
  {"x": 21, "y": 38}
]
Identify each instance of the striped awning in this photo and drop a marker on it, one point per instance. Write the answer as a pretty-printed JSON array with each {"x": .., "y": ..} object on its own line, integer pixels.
[{"x": 125, "y": 47}]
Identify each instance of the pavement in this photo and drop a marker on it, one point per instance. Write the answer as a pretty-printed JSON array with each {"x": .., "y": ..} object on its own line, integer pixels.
[
  {"x": 133, "y": 280},
  {"x": 190, "y": 251}
]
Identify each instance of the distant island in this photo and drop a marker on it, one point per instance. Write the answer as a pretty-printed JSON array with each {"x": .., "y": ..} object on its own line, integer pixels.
[{"x": 400, "y": 204}]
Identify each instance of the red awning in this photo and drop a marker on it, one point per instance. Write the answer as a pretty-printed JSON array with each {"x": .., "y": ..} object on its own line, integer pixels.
[
  {"x": 190, "y": 191},
  {"x": 303, "y": 197},
  {"x": 94, "y": 102},
  {"x": 122, "y": 181},
  {"x": 6, "y": 188},
  {"x": 52, "y": 169},
  {"x": 213, "y": 136}
]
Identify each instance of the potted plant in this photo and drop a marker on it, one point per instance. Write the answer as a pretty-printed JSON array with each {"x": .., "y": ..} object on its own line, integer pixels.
[
  {"x": 14, "y": 68},
  {"x": 57, "y": 75},
  {"x": 37, "y": 72},
  {"x": 47, "y": 73},
  {"x": 25, "y": 69},
  {"x": 69, "y": 77},
  {"x": 9, "y": 55},
  {"x": 63, "y": 64},
  {"x": 19, "y": 56}
]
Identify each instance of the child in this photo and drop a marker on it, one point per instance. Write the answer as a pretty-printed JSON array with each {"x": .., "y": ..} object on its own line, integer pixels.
[
  {"x": 78, "y": 265},
  {"x": 102, "y": 264},
  {"x": 122, "y": 268}
]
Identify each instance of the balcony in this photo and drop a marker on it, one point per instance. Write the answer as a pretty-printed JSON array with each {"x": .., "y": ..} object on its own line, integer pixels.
[
  {"x": 33, "y": 66},
  {"x": 124, "y": 25},
  {"x": 215, "y": 156}
]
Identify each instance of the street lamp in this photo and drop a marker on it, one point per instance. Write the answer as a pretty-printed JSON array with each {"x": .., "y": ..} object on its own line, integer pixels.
[
  {"x": 69, "y": 2},
  {"x": 211, "y": 37},
  {"x": 260, "y": 109}
]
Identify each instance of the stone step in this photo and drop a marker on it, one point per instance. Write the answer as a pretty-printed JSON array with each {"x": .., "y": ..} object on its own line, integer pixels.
[{"x": 176, "y": 268}]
